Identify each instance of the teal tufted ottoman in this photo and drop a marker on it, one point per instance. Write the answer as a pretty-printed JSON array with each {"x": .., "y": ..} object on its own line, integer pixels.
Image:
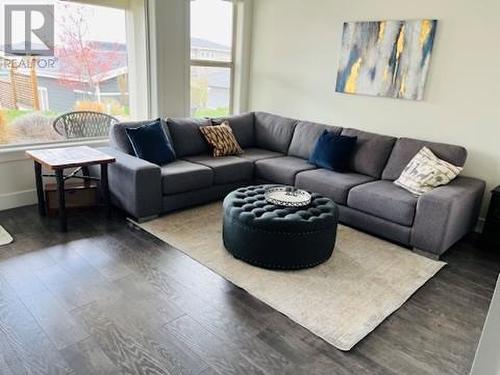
[{"x": 276, "y": 237}]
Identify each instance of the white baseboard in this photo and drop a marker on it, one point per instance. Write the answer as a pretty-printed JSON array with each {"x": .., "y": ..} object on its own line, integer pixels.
[{"x": 17, "y": 199}]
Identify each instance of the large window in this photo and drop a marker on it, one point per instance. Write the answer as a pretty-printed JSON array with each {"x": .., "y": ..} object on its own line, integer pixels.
[
  {"x": 211, "y": 57},
  {"x": 88, "y": 71}
]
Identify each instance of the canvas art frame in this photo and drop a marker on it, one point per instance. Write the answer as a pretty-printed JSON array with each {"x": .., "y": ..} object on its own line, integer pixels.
[{"x": 386, "y": 58}]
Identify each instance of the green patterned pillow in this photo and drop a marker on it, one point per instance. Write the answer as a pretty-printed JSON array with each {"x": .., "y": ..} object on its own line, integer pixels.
[{"x": 425, "y": 172}]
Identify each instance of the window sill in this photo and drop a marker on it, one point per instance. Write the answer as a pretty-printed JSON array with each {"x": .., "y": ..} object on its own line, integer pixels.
[{"x": 17, "y": 153}]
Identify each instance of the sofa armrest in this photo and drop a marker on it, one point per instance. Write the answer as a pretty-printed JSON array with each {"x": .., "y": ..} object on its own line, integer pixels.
[
  {"x": 446, "y": 214},
  {"x": 135, "y": 184}
]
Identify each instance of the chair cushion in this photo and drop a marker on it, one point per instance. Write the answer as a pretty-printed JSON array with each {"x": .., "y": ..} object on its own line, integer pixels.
[
  {"x": 221, "y": 139},
  {"x": 281, "y": 170},
  {"x": 333, "y": 151},
  {"x": 186, "y": 136},
  {"x": 371, "y": 152},
  {"x": 150, "y": 143},
  {"x": 305, "y": 137},
  {"x": 182, "y": 176},
  {"x": 119, "y": 140},
  {"x": 333, "y": 185},
  {"x": 243, "y": 127},
  {"x": 254, "y": 154},
  {"x": 406, "y": 148},
  {"x": 385, "y": 200},
  {"x": 226, "y": 169},
  {"x": 273, "y": 132}
]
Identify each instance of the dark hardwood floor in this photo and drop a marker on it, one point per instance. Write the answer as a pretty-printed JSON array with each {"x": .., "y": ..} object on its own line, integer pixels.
[{"x": 107, "y": 298}]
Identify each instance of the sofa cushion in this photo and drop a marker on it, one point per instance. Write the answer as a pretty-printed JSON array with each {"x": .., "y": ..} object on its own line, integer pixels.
[
  {"x": 182, "y": 176},
  {"x": 371, "y": 152},
  {"x": 186, "y": 136},
  {"x": 333, "y": 151},
  {"x": 305, "y": 137},
  {"x": 221, "y": 139},
  {"x": 254, "y": 154},
  {"x": 226, "y": 169},
  {"x": 119, "y": 140},
  {"x": 150, "y": 143},
  {"x": 406, "y": 148},
  {"x": 425, "y": 172},
  {"x": 281, "y": 170},
  {"x": 385, "y": 200},
  {"x": 331, "y": 184},
  {"x": 273, "y": 132},
  {"x": 243, "y": 127}
]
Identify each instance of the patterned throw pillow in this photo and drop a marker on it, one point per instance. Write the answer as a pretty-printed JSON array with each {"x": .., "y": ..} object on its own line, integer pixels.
[
  {"x": 425, "y": 172},
  {"x": 222, "y": 140}
]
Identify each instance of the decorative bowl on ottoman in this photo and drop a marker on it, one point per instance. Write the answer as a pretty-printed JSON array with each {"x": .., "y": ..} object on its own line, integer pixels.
[
  {"x": 275, "y": 237},
  {"x": 287, "y": 196}
]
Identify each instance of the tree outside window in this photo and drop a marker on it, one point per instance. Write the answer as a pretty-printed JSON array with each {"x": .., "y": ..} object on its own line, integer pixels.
[{"x": 88, "y": 72}]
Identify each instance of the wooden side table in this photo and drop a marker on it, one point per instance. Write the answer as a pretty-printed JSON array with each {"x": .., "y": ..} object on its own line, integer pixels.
[
  {"x": 491, "y": 230},
  {"x": 59, "y": 159}
]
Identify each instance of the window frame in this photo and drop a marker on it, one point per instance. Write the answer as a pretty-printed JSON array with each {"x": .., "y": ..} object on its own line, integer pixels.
[{"x": 218, "y": 63}]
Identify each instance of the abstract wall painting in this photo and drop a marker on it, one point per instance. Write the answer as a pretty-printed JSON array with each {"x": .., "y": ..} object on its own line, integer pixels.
[{"x": 386, "y": 58}]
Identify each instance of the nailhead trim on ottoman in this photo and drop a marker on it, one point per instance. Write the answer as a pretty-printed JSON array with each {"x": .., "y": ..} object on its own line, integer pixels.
[{"x": 274, "y": 237}]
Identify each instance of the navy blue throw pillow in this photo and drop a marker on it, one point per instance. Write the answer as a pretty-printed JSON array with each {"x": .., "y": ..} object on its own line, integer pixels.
[
  {"x": 333, "y": 151},
  {"x": 150, "y": 143}
]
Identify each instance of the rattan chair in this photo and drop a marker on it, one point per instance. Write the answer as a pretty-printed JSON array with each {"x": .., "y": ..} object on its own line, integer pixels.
[{"x": 84, "y": 124}]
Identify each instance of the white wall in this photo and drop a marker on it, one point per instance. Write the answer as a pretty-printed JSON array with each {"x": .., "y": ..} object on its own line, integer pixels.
[
  {"x": 295, "y": 47},
  {"x": 168, "y": 31},
  {"x": 17, "y": 183}
]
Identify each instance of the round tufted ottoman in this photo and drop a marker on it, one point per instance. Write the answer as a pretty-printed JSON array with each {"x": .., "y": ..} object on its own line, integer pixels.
[{"x": 276, "y": 237}]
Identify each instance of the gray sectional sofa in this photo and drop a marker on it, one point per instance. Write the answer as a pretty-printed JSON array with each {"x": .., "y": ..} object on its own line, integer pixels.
[{"x": 276, "y": 151}]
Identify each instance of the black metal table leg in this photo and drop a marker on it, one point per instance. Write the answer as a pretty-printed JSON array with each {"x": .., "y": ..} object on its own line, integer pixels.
[
  {"x": 39, "y": 189},
  {"x": 105, "y": 188},
  {"x": 86, "y": 173},
  {"x": 62, "y": 200}
]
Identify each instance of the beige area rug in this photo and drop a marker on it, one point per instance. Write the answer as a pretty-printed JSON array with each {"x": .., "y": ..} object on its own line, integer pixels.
[{"x": 341, "y": 301}]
